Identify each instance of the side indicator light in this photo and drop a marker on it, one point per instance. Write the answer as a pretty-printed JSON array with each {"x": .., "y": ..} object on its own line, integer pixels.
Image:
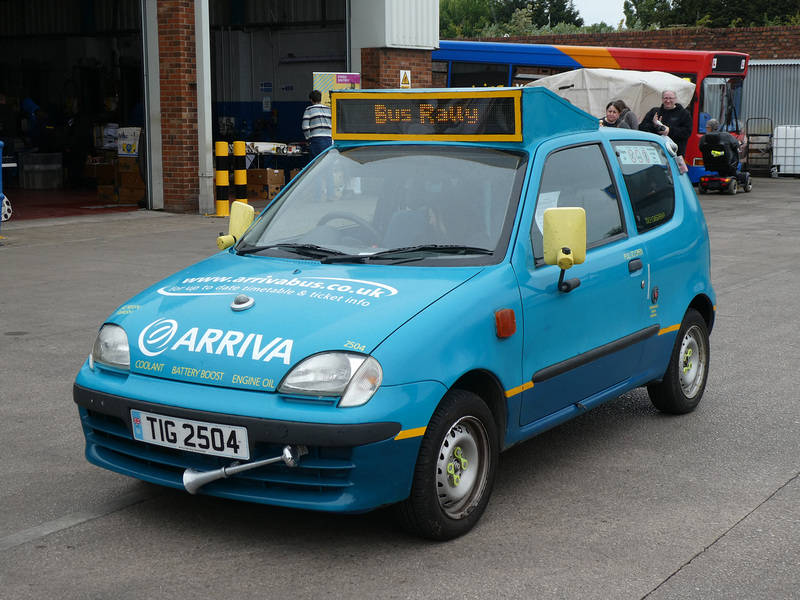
[{"x": 505, "y": 322}]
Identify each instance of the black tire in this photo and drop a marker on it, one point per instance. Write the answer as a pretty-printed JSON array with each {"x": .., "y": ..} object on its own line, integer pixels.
[
  {"x": 733, "y": 187},
  {"x": 682, "y": 387},
  {"x": 455, "y": 469},
  {"x": 748, "y": 185},
  {"x": 702, "y": 190}
]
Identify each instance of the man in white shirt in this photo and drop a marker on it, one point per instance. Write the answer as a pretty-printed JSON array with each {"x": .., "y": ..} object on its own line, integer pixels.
[{"x": 317, "y": 125}]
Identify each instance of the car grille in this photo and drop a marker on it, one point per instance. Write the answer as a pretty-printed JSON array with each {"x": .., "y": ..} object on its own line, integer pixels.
[{"x": 325, "y": 472}]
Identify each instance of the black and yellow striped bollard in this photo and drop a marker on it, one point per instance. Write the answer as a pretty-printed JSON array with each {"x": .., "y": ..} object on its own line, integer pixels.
[
  {"x": 223, "y": 179},
  {"x": 240, "y": 171}
]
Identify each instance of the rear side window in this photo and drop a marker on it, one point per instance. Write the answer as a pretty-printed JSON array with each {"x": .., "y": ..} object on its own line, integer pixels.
[
  {"x": 579, "y": 176},
  {"x": 648, "y": 179}
]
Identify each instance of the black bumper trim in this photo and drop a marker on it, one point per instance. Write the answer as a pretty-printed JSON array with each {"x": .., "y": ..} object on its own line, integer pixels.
[{"x": 269, "y": 431}]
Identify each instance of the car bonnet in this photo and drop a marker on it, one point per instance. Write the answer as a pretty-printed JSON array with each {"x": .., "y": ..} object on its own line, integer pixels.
[{"x": 245, "y": 321}]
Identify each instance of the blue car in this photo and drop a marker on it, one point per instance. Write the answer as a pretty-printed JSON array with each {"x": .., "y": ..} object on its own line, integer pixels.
[{"x": 460, "y": 271}]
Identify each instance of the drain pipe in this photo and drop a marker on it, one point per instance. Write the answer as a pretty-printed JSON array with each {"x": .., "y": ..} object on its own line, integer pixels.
[{"x": 205, "y": 144}]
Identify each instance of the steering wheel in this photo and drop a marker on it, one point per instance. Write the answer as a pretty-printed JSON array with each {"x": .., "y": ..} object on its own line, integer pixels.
[{"x": 377, "y": 238}]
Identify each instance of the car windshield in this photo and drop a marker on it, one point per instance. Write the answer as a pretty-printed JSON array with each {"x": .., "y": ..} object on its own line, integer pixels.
[{"x": 399, "y": 203}]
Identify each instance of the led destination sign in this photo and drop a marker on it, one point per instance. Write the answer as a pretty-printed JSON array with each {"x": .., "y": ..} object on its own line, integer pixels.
[{"x": 458, "y": 116}]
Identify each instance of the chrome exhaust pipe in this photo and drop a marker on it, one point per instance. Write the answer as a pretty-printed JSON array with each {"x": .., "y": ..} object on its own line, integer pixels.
[{"x": 193, "y": 479}]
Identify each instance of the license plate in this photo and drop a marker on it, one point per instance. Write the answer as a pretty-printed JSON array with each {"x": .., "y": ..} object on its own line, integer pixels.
[{"x": 194, "y": 436}]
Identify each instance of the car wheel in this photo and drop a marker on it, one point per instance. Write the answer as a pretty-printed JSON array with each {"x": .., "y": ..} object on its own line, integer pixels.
[
  {"x": 455, "y": 469},
  {"x": 5, "y": 215},
  {"x": 702, "y": 190},
  {"x": 682, "y": 387},
  {"x": 732, "y": 187}
]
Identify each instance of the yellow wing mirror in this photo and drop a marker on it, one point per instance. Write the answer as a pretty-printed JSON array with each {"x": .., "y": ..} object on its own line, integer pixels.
[
  {"x": 565, "y": 241},
  {"x": 242, "y": 216}
]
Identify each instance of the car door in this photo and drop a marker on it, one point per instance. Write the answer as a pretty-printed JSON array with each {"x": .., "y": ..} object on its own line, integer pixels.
[{"x": 580, "y": 345}]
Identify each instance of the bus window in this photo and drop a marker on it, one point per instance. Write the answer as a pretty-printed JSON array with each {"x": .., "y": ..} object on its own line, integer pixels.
[
  {"x": 464, "y": 74},
  {"x": 721, "y": 99}
]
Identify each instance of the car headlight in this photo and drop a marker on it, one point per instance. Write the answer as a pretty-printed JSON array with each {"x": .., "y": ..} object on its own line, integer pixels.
[
  {"x": 111, "y": 347},
  {"x": 354, "y": 377}
]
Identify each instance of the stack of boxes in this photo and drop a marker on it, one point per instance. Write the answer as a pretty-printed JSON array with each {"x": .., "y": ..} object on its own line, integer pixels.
[
  {"x": 117, "y": 171},
  {"x": 105, "y": 173},
  {"x": 264, "y": 184}
]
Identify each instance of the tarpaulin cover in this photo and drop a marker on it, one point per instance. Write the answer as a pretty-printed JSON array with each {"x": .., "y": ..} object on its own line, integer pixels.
[{"x": 592, "y": 89}]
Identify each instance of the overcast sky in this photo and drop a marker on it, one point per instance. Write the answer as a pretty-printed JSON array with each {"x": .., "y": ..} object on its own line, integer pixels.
[{"x": 594, "y": 11}]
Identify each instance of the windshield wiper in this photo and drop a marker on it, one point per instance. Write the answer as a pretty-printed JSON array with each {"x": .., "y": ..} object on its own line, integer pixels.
[
  {"x": 310, "y": 250},
  {"x": 401, "y": 254}
]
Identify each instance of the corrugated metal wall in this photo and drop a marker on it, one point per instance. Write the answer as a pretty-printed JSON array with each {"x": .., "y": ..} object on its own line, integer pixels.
[
  {"x": 281, "y": 13},
  {"x": 298, "y": 11},
  {"x": 412, "y": 24},
  {"x": 67, "y": 17},
  {"x": 771, "y": 91}
]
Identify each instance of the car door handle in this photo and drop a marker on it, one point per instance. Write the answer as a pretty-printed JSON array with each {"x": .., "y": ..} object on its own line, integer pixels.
[{"x": 635, "y": 265}]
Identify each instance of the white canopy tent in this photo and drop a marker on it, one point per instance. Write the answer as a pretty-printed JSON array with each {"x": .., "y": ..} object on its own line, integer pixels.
[{"x": 592, "y": 89}]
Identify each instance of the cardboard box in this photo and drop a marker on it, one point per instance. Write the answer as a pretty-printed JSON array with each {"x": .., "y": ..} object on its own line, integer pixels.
[
  {"x": 258, "y": 192},
  {"x": 108, "y": 193},
  {"x": 131, "y": 195},
  {"x": 131, "y": 180},
  {"x": 109, "y": 136},
  {"x": 294, "y": 173},
  {"x": 273, "y": 191},
  {"x": 105, "y": 173},
  {"x": 128, "y": 164},
  {"x": 276, "y": 177},
  {"x": 265, "y": 177},
  {"x": 128, "y": 141}
]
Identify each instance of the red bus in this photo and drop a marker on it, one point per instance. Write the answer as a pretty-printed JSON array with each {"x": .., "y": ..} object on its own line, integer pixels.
[{"x": 718, "y": 76}]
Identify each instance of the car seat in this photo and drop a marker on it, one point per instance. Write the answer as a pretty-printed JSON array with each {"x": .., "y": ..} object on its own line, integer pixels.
[{"x": 718, "y": 154}]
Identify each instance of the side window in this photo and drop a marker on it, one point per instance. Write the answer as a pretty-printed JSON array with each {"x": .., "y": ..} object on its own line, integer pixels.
[
  {"x": 579, "y": 176},
  {"x": 648, "y": 180}
]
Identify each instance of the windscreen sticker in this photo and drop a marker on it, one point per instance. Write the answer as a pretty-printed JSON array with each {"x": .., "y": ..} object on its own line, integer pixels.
[
  {"x": 546, "y": 200},
  {"x": 335, "y": 289},
  {"x": 639, "y": 155}
]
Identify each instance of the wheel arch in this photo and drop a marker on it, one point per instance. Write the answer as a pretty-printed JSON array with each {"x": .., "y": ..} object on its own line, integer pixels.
[
  {"x": 702, "y": 304},
  {"x": 488, "y": 388}
]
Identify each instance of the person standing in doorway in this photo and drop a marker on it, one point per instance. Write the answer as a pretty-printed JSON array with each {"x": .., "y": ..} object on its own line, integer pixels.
[{"x": 317, "y": 125}]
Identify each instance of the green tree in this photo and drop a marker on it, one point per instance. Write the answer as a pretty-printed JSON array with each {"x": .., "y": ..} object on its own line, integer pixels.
[
  {"x": 643, "y": 14},
  {"x": 472, "y": 18},
  {"x": 563, "y": 11},
  {"x": 503, "y": 10},
  {"x": 464, "y": 18}
]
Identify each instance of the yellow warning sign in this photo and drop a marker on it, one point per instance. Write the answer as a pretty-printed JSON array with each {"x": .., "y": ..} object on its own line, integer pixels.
[
  {"x": 325, "y": 82},
  {"x": 405, "y": 79}
]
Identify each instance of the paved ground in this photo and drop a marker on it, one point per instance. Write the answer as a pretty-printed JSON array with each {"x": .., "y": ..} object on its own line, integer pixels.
[{"x": 620, "y": 503}]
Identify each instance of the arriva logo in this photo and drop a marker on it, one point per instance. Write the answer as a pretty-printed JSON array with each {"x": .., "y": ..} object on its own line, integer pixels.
[{"x": 158, "y": 336}]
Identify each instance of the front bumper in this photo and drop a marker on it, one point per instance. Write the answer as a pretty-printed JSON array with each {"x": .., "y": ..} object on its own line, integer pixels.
[{"x": 352, "y": 467}]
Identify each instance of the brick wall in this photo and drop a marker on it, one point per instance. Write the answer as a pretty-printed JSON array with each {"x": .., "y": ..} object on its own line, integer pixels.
[
  {"x": 178, "y": 76},
  {"x": 761, "y": 43},
  {"x": 380, "y": 67}
]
